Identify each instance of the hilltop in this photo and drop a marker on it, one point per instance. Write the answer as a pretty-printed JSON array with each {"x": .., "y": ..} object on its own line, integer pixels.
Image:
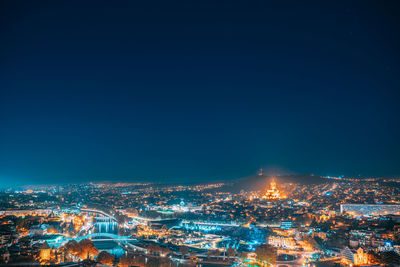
[{"x": 256, "y": 182}]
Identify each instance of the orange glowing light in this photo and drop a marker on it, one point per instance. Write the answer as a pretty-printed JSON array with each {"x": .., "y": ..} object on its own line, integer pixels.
[{"x": 273, "y": 192}]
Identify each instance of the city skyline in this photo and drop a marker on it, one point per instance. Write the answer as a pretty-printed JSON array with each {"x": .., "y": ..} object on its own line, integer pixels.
[
  {"x": 334, "y": 222},
  {"x": 200, "y": 133}
]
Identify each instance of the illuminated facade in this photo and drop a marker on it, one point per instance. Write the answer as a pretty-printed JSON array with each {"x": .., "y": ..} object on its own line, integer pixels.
[
  {"x": 281, "y": 241},
  {"x": 273, "y": 192},
  {"x": 357, "y": 258},
  {"x": 369, "y": 209},
  {"x": 361, "y": 258},
  {"x": 45, "y": 251}
]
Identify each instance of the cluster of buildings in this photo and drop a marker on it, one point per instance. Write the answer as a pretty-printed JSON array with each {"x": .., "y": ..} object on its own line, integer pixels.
[
  {"x": 365, "y": 210},
  {"x": 347, "y": 222}
]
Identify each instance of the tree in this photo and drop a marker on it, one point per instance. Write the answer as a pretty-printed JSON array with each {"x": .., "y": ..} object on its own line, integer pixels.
[
  {"x": 127, "y": 260},
  {"x": 184, "y": 250},
  {"x": 164, "y": 262},
  {"x": 159, "y": 262},
  {"x": 216, "y": 253},
  {"x": 266, "y": 254},
  {"x": 164, "y": 251},
  {"x": 243, "y": 255},
  {"x": 388, "y": 258},
  {"x": 154, "y": 249},
  {"x": 150, "y": 248},
  {"x": 140, "y": 260},
  {"x": 72, "y": 248},
  {"x": 87, "y": 249},
  {"x": 231, "y": 252},
  {"x": 209, "y": 254},
  {"x": 105, "y": 258},
  {"x": 130, "y": 259}
]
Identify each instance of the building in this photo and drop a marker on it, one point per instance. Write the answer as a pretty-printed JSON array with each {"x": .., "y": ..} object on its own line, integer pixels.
[
  {"x": 367, "y": 210},
  {"x": 273, "y": 192},
  {"x": 347, "y": 255},
  {"x": 360, "y": 258},
  {"x": 282, "y": 241},
  {"x": 357, "y": 258},
  {"x": 286, "y": 225},
  {"x": 45, "y": 252}
]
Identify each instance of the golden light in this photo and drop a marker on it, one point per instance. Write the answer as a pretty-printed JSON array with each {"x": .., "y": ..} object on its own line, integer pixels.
[{"x": 273, "y": 192}]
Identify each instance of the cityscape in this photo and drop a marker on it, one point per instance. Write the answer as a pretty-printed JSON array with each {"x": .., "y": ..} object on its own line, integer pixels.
[
  {"x": 335, "y": 222},
  {"x": 212, "y": 133}
]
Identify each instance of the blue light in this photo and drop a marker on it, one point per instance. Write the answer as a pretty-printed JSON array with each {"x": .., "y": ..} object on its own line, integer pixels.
[{"x": 388, "y": 244}]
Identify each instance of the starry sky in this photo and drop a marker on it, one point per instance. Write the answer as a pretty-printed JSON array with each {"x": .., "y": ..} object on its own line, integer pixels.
[{"x": 195, "y": 91}]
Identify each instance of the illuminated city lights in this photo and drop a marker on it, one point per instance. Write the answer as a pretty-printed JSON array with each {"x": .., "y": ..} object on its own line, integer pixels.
[
  {"x": 273, "y": 192},
  {"x": 204, "y": 223},
  {"x": 200, "y": 134}
]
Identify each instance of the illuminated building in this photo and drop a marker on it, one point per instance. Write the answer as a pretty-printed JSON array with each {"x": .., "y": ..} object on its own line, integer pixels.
[
  {"x": 283, "y": 242},
  {"x": 286, "y": 224},
  {"x": 273, "y": 192},
  {"x": 360, "y": 258},
  {"x": 45, "y": 252},
  {"x": 357, "y": 258},
  {"x": 369, "y": 209},
  {"x": 347, "y": 255}
]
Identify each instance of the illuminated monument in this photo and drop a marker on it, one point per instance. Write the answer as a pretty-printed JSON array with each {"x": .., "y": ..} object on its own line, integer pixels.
[{"x": 273, "y": 192}]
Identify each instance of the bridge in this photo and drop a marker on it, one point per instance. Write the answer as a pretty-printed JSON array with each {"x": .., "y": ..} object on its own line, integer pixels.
[
  {"x": 108, "y": 235},
  {"x": 211, "y": 223},
  {"x": 105, "y": 219},
  {"x": 97, "y": 237},
  {"x": 99, "y": 212},
  {"x": 143, "y": 219},
  {"x": 204, "y": 226}
]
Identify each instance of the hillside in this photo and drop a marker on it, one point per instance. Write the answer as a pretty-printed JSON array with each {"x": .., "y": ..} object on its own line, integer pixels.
[{"x": 261, "y": 181}]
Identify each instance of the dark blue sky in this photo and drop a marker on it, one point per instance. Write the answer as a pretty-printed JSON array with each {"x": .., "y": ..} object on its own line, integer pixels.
[{"x": 185, "y": 91}]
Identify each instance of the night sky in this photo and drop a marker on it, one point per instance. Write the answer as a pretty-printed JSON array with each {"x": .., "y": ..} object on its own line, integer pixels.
[{"x": 197, "y": 91}]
